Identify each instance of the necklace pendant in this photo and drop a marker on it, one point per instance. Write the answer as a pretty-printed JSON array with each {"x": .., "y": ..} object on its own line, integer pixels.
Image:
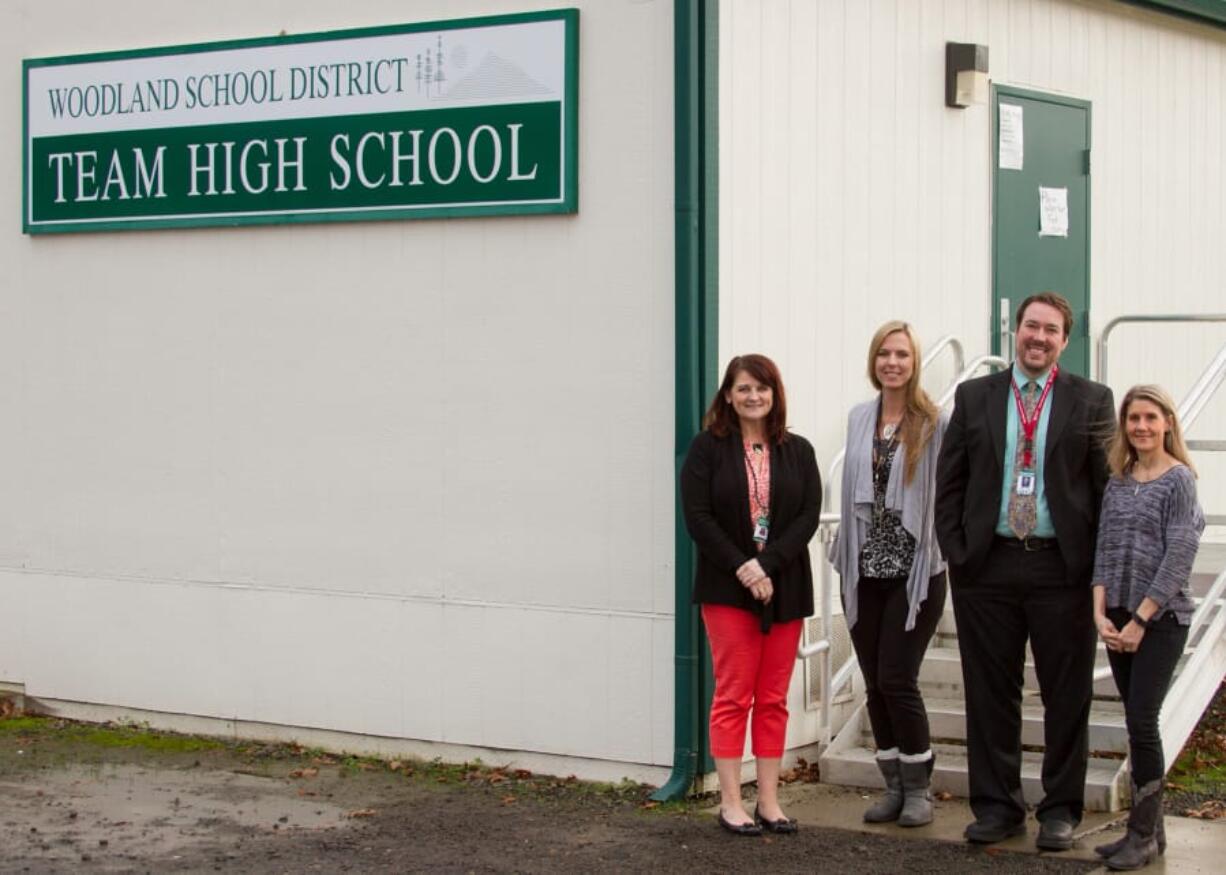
[{"x": 887, "y": 431}]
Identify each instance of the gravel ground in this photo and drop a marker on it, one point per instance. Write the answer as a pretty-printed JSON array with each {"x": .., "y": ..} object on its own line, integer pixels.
[
  {"x": 84, "y": 799},
  {"x": 81, "y": 798}
]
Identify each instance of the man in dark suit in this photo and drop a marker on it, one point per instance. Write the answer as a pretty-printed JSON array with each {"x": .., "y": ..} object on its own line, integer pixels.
[{"x": 1019, "y": 485}]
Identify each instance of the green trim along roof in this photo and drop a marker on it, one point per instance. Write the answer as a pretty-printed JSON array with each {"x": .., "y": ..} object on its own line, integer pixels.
[{"x": 1212, "y": 11}]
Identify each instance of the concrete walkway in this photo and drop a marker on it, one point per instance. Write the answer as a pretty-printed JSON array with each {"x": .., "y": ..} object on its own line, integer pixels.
[{"x": 1194, "y": 846}]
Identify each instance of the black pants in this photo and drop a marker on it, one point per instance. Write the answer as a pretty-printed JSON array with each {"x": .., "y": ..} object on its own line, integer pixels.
[
  {"x": 1143, "y": 679},
  {"x": 890, "y": 658},
  {"x": 1018, "y": 595}
]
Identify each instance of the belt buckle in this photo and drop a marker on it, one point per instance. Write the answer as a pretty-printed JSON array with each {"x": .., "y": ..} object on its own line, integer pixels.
[{"x": 1026, "y": 544}]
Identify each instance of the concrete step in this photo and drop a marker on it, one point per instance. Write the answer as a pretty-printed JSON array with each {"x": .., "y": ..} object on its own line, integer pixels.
[
  {"x": 942, "y": 668},
  {"x": 947, "y": 719},
  {"x": 857, "y": 767}
]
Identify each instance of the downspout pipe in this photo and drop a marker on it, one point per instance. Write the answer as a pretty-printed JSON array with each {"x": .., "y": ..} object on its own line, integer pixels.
[{"x": 694, "y": 342}]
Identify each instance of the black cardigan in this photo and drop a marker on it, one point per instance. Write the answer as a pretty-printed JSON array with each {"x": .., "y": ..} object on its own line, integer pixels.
[{"x": 715, "y": 499}]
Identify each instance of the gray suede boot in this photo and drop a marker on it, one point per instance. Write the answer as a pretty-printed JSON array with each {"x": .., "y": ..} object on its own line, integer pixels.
[
  {"x": 917, "y": 800},
  {"x": 1111, "y": 848},
  {"x": 888, "y": 807},
  {"x": 1141, "y": 841}
]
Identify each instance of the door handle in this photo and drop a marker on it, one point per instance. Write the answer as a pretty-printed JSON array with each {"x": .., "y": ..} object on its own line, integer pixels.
[{"x": 1005, "y": 331}]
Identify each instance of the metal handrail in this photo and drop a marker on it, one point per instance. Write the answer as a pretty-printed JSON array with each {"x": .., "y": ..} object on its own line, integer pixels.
[
  {"x": 948, "y": 341},
  {"x": 1200, "y": 393},
  {"x": 992, "y": 361},
  {"x": 1144, "y": 317},
  {"x": 1202, "y": 611}
]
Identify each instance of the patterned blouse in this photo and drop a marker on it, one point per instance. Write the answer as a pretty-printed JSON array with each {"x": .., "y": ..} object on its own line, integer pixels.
[
  {"x": 889, "y": 549},
  {"x": 758, "y": 475}
]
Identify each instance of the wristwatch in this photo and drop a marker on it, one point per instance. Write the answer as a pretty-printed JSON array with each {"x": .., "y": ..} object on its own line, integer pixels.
[{"x": 1140, "y": 621}]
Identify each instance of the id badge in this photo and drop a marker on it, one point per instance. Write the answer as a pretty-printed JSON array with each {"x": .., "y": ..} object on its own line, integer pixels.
[
  {"x": 762, "y": 530},
  {"x": 1025, "y": 483}
]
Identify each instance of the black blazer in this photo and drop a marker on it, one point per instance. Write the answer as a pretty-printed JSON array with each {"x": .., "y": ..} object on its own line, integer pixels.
[
  {"x": 715, "y": 499},
  {"x": 971, "y": 469}
]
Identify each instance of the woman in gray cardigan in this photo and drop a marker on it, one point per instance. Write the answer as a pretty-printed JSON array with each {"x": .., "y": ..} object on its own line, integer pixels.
[{"x": 893, "y": 573}]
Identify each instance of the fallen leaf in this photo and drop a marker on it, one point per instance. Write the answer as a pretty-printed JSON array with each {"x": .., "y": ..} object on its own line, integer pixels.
[
  {"x": 395, "y": 765},
  {"x": 507, "y": 800},
  {"x": 942, "y": 796},
  {"x": 651, "y": 803},
  {"x": 1214, "y": 809},
  {"x": 362, "y": 812},
  {"x": 304, "y": 773},
  {"x": 523, "y": 774}
]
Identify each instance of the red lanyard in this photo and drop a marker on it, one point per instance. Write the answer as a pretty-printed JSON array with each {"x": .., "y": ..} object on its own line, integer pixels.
[{"x": 1030, "y": 425}]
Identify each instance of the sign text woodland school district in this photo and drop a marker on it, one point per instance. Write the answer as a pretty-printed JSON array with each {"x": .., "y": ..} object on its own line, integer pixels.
[{"x": 475, "y": 117}]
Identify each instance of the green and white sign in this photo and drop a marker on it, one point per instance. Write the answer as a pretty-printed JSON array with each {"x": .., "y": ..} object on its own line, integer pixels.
[{"x": 476, "y": 117}]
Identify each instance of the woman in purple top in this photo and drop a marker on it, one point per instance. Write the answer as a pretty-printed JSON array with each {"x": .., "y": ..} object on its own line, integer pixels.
[{"x": 1148, "y": 534}]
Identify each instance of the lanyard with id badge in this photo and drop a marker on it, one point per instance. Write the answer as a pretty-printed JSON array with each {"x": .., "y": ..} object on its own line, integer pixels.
[
  {"x": 1026, "y": 478},
  {"x": 759, "y": 511}
]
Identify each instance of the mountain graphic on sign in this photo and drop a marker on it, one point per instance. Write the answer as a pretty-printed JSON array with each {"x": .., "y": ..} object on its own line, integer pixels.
[{"x": 496, "y": 77}]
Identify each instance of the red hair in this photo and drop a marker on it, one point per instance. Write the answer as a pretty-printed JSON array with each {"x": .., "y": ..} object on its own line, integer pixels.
[{"x": 721, "y": 419}]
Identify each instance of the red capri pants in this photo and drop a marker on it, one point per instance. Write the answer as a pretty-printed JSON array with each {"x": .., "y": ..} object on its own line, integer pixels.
[{"x": 752, "y": 670}]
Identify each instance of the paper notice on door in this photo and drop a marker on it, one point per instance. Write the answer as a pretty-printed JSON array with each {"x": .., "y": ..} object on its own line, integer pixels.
[
  {"x": 1053, "y": 212},
  {"x": 1011, "y": 140}
]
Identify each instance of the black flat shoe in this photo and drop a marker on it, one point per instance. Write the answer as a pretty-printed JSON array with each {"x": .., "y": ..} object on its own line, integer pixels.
[
  {"x": 784, "y": 825},
  {"x": 740, "y": 829}
]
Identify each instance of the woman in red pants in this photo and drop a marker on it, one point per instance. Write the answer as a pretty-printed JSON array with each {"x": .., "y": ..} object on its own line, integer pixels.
[{"x": 751, "y": 494}]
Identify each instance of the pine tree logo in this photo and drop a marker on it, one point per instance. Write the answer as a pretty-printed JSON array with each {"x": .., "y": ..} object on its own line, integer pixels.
[{"x": 430, "y": 74}]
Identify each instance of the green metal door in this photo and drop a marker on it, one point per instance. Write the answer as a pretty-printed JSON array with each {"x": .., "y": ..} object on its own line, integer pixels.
[{"x": 1040, "y": 211}]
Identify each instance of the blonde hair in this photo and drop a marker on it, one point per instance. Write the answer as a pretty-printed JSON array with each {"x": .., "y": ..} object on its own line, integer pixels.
[
  {"x": 1121, "y": 456},
  {"x": 919, "y": 418}
]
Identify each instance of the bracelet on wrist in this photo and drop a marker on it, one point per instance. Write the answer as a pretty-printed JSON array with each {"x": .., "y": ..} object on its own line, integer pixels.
[{"x": 1140, "y": 621}]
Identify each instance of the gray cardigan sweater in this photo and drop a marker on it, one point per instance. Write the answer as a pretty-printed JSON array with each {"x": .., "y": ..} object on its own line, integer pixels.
[{"x": 913, "y": 501}]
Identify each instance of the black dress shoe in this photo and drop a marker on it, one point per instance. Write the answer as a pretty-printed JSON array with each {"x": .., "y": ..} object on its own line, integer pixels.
[
  {"x": 989, "y": 831},
  {"x": 740, "y": 829},
  {"x": 1055, "y": 834},
  {"x": 782, "y": 825}
]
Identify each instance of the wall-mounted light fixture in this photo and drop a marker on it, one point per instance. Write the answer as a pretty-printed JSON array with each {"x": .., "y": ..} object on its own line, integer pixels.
[{"x": 966, "y": 74}]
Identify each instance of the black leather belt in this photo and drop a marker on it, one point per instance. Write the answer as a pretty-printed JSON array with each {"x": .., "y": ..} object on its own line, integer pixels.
[{"x": 1029, "y": 544}]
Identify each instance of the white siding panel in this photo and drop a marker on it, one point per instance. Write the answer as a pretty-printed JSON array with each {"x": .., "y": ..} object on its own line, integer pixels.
[
  {"x": 374, "y": 459},
  {"x": 897, "y": 211},
  {"x": 663, "y": 670},
  {"x": 628, "y": 667}
]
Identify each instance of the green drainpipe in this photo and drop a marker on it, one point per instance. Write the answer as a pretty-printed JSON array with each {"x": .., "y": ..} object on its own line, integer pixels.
[{"x": 695, "y": 41}]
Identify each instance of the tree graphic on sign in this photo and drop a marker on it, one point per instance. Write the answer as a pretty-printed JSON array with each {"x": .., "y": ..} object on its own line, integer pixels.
[{"x": 430, "y": 70}]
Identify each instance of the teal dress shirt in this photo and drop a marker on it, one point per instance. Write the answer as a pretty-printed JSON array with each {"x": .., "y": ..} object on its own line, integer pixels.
[{"x": 1013, "y": 433}]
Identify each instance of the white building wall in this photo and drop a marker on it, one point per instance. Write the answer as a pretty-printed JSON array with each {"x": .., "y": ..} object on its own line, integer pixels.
[
  {"x": 410, "y": 478},
  {"x": 850, "y": 194}
]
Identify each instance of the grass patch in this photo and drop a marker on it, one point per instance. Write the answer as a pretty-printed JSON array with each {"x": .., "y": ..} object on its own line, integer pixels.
[
  {"x": 86, "y": 741},
  {"x": 51, "y": 729},
  {"x": 1201, "y": 767},
  {"x": 24, "y": 725}
]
